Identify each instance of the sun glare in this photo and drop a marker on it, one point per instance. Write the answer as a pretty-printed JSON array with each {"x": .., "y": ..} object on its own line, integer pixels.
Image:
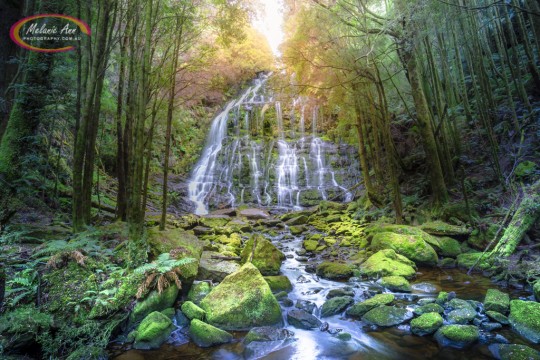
[{"x": 270, "y": 22}]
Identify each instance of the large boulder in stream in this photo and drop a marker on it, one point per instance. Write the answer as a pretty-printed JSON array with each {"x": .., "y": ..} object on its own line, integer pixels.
[
  {"x": 496, "y": 300},
  {"x": 525, "y": 319},
  {"x": 301, "y": 319},
  {"x": 205, "y": 335},
  {"x": 359, "y": 309},
  {"x": 457, "y": 336},
  {"x": 514, "y": 352},
  {"x": 263, "y": 254},
  {"x": 334, "y": 271},
  {"x": 388, "y": 263},
  {"x": 411, "y": 246},
  {"x": 242, "y": 301},
  {"x": 155, "y": 301},
  {"x": 426, "y": 324},
  {"x": 153, "y": 331},
  {"x": 213, "y": 267},
  {"x": 387, "y": 316}
]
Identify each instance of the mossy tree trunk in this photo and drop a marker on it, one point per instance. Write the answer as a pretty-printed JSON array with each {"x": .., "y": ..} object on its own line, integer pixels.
[{"x": 525, "y": 216}]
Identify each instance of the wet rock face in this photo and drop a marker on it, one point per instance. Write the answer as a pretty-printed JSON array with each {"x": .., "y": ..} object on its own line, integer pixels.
[
  {"x": 525, "y": 319},
  {"x": 302, "y": 319},
  {"x": 457, "y": 336},
  {"x": 336, "y": 305}
]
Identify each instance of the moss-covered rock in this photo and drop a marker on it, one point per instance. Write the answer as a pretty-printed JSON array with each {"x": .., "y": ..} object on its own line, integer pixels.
[
  {"x": 334, "y": 270},
  {"x": 310, "y": 245},
  {"x": 298, "y": 220},
  {"x": 263, "y": 254},
  {"x": 525, "y": 319},
  {"x": 336, "y": 305},
  {"x": 497, "y": 301},
  {"x": 498, "y": 317},
  {"x": 154, "y": 302},
  {"x": 388, "y": 263},
  {"x": 457, "y": 336},
  {"x": 443, "y": 229},
  {"x": 429, "y": 308},
  {"x": 410, "y": 246},
  {"x": 387, "y": 316},
  {"x": 266, "y": 333},
  {"x": 243, "y": 300},
  {"x": 179, "y": 243},
  {"x": 344, "y": 336},
  {"x": 467, "y": 260},
  {"x": 345, "y": 291},
  {"x": 461, "y": 316},
  {"x": 192, "y": 311},
  {"x": 395, "y": 283},
  {"x": 211, "y": 267},
  {"x": 297, "y": 229},
  {"x": 449, "y": 247},
  {"x": 360, "y": 308},
  {"x": 153, "y": 331},
  {"x": 198, "y": 291},
  {"x": 426, "y": 323},
  {"x": 278, "y": 283},
  {"x": 513, "y": 352},
  {"x": 205, "y": 335},
  {"x": 214, "y": 222}
]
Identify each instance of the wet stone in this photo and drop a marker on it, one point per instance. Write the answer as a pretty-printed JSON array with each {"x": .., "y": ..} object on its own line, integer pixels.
[
  {"x": 302, "y": 280},
  {"x": 305, "y": 305},
  {"x": 491, "y": 326},
  {"x": 302, "y": 319},
  {"x": 301, "y": 258},
  {"x": 425, "y": 288},
  {"x": 340, "y": 292}
]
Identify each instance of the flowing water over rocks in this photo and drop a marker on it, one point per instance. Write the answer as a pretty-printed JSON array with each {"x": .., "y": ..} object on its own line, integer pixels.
[
  {"x": 308, "y": 334},
  {"x": 256, "y": 154}
]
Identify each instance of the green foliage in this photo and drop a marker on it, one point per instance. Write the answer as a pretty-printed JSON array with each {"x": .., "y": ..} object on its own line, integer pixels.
[
  {"x": 160, "y": 273},
  {"x": 22, "y": 288}
]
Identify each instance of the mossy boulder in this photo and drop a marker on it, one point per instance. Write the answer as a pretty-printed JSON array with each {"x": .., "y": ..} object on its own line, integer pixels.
[
  {"x": 461, "y": 316},
  {"x": 192, "y": 311},
  {"x": 388, "y": 263},
  {"x": 214, "y": 222},
  {"x": 449, "y": 247},
  {"x": 467, "y": 260},
  {"x": 497, "y": 301},
  {"x": 266, "y": 333},
  {"x": 410, "y": 246},
  {"x": 387, "y": 316},
  {"x": 404, "y": 230},
  {"x": 457, "y": 336},
  {"x": 153, "y": 331},
  {"x": 514, "y": 352},
  {"x": 298, "y": 220},
  {"x": 198, "y": 291},
  {"x": 336, "y": 305},
  {"x": 263, "y": 254},
  {"x": 426, "y": 323},
  {"x": 243, "y": 300},
  {"x": 154, "y": 302},
  {"x": 297, "y": 229},
  {"x": 334, "y": 270},
  {"x": 441, "y": 228},
  {"x": 211, "y": 267},
  {"x": 429, "y": 308},
  {"x": 179, "y": 243},
  {"x": 205, "y": 335},
  {"x": 395, "y": 283},
  {"x": 254, "y": 214},
  {"x": 346, "y": 291},
  {"x": 310, "y": 245},
  {"x": 278, "y": 283},
  {"x": 498, "y": 317},
  {"x": 360, "y": 308},
  {"x": 525, "y": 319}
]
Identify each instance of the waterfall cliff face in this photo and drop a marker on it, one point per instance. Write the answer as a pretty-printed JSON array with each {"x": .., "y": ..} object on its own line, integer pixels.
[{"x": 256, "y": 155}]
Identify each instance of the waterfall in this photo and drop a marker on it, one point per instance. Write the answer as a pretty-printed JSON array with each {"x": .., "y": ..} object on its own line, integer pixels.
[{"x": 244, "y": 162}]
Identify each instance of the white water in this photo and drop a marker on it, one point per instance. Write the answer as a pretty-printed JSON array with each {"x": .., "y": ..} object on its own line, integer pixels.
[{"x": 244, "y": 162}]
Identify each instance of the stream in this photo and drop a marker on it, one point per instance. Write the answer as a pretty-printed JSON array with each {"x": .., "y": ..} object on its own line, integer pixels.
[{"x": 367, "y": 342}]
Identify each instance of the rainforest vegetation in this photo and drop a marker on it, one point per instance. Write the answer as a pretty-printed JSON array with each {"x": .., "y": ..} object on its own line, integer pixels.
[{"x": 178, "y": 185}]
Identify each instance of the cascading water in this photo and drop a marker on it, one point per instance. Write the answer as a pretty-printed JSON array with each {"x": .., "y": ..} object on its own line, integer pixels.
[{"x": 245, "y": 160}]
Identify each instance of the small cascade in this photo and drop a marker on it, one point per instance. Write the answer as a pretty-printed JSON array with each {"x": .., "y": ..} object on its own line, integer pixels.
[{"x": 257, "y": 152}]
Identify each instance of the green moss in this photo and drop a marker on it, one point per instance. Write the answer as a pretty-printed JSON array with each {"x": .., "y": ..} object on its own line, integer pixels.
[
  {"x": 88, "y": 353},
  {"x": 457, "y": 335},
  {"x": 192, "y": 311},
  {"x": 525, "y": 319},
  {"x": 336, "y": 305},
  {"x": 214, "y": 222},
  {"x": 310, "y": 245},
  {"x": 278, "y": 283},
  {"x": 514, "y": 352},
  {"x": 461, "y": 316},
  {"x": 467, "y": 260},
  {"x": 198, "y": 291},
  {"x": 497, "y": 301},
  {"x": 525, "y": 168},
  {"x": 25, "y": 320},
  {"x": 153, "y": 331},
  {"x": 386, "y": 316},
  {"x": 334, "y": 270},
  {"x": 359, "y": 309},
  {"x": 449, "y": 247},
  {"x": 410, "y": 246},
  {"x": 154, "y": 302},
  {"x": 429, "y": 308},
  {"x": 266, "y": 257},
  {"x": 396, "y": 283},
  {"x": 297, "y": 229},
  {"x": 344, "y": 336},
  {"x": 426, "y": 324},
  {"x": 205, "y": 335},
  {"x": 388, "y": 263},
  {"x": 498, "y": 317},
  {"x": 243, "y": 300},
  {"x": 441, "y": 228},
  {"x": 442, "y": 298}
]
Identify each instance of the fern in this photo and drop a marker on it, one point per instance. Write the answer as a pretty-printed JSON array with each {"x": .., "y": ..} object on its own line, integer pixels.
[{"x": 161, "y": 273}]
